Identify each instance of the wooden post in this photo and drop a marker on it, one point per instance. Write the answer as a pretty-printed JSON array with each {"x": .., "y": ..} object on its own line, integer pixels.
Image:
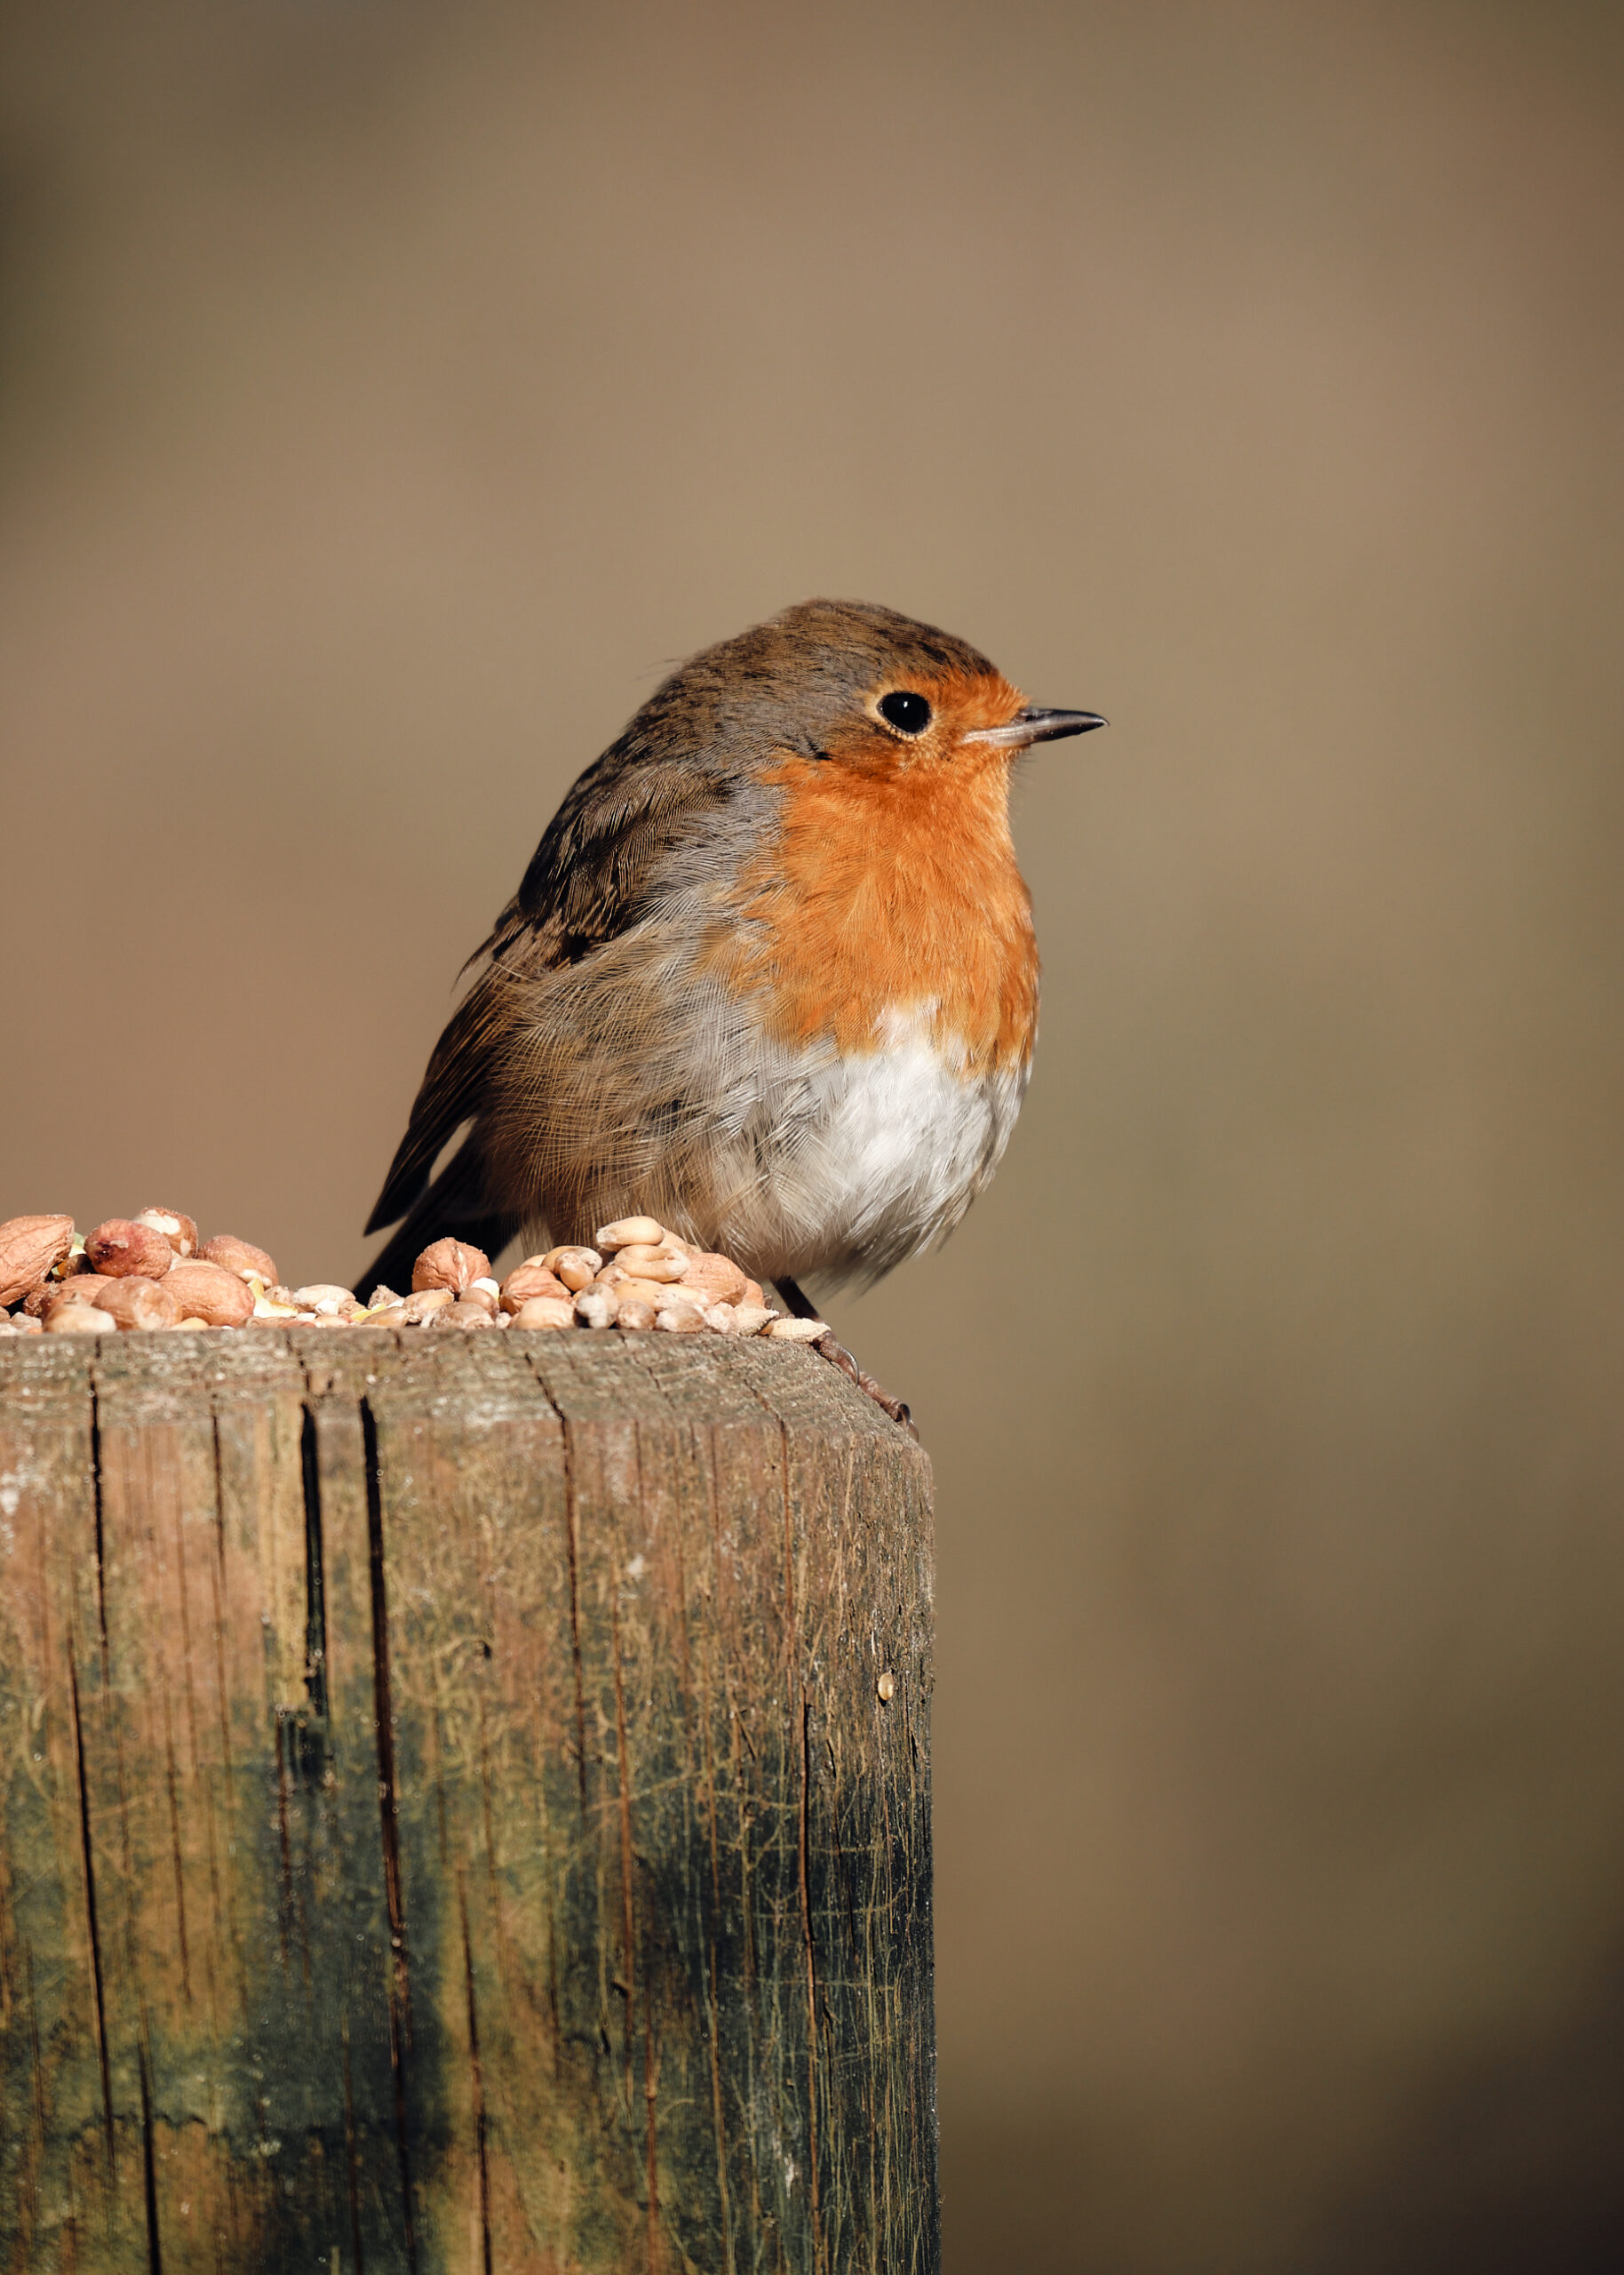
[{"x": 466, "y": 1807}]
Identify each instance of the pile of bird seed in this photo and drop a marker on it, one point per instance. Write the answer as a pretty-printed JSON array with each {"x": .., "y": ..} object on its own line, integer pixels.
[{"x": 151, "y": 1271}]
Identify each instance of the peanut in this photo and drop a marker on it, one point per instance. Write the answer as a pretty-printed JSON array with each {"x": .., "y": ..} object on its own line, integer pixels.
[
  {"x": 210, "y": 1294},
  {"x": 596, "y": 1307},
  {"x": 450, "y": 1264},
  {"x": 643, "y": 1262},
  {"x": 135, "y": 1302},
  {"x": 326, "y": 1297},
  {"x": 38, "y": 1301},
  {"x": 630, "y": 1232},
  {"x": 122, "y": 1249},
  {"x": 241, "y": 1257},
  {"x": 546, "y": 1311},
  {"x": 425, "y": 1304},
  {"x": 178, "y": 1230},
  {"x": 640, "y": 1291},
  {"x": 83, "y": 1289},
  {"x": 528, "y": 1279},
  {"x": 574, "y": 1266},
  {"x": 714, "y": 1279},
  {"x": 30, "y": 1247}
]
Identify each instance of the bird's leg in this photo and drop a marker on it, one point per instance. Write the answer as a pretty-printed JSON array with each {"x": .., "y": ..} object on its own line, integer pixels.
[{"x": 801, "y": 1306}]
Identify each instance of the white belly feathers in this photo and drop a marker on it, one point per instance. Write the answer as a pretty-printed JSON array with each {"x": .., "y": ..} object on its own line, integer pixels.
[{"x": 871, "y": 1155}]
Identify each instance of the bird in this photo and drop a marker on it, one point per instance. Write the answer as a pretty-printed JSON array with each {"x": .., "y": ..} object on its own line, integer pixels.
[{"x": 770, "y": 976}]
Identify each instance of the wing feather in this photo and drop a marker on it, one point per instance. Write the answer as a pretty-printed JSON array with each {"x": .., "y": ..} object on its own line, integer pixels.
[{"x": 594, "y": 876}]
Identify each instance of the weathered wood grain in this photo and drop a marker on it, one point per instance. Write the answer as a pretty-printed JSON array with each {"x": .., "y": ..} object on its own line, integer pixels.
[{"x": 450, "y": 1815}]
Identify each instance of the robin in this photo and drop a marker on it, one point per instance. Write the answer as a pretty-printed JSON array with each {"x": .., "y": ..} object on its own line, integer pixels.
[{"x": 769, "y": 977}]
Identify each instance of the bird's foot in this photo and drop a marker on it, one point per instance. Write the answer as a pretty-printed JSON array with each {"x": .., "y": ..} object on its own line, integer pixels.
[
  {"x": 838, "y": 1355},
  {"x": 801, "y": 1306}
]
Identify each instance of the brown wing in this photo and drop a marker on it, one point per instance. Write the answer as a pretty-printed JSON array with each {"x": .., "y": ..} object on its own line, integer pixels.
[{"x": 594, "y": 873}]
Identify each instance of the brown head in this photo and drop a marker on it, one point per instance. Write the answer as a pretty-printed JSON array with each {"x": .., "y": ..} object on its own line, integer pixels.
[{"x": 849, "y": 681}]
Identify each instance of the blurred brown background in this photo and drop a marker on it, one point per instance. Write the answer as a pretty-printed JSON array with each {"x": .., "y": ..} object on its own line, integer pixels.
[{"x": 389, "y": 392}]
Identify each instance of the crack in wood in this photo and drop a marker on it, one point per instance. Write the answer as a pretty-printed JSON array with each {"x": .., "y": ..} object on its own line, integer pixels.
[
  {"x": 315, "y": 1600},
  {"x": 399, "y": 1970},
  {"x": 92, "y": 1916},
  {"x": 476, "y": 2082},
  {"x": 149, "y": 2169}
]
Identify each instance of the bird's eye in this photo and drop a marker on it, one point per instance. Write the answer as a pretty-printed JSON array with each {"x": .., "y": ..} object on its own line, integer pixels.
[{"x": 906, "y": 710}]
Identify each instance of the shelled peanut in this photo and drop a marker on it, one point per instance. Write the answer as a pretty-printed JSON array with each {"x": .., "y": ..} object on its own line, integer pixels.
[{"x": 151, "y": 1271}]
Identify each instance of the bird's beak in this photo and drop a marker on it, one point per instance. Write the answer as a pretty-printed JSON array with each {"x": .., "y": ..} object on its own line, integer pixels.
[{"x": 1035, "y": 725}]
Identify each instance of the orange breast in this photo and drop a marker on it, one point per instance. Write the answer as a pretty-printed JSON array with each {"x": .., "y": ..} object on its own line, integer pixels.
[{"x": 890, "y": 900}]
